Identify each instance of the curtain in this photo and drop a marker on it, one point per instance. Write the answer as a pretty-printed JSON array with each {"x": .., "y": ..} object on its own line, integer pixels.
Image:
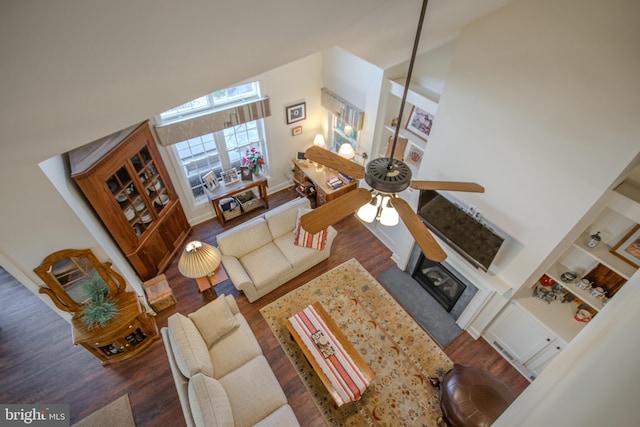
[
  {"x": 341, "y": 108},
  {"x": 213, "y": 122}
]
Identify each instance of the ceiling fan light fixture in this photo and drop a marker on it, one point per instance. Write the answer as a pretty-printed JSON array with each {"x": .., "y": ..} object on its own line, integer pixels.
[
  {"x": 389, "y": 216},
  {"x": 369, "y": 211}
]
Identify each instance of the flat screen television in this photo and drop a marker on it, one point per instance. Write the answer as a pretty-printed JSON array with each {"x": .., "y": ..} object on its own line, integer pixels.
[{"x": 476, "y": 242}]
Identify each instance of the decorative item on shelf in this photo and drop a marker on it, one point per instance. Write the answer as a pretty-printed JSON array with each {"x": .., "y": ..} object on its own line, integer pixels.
[
  {"x": 394, "y": 122},
  {"x": 598, "y": 292},
  {"x": 199, "y": 259},
  {"x": 594, "y": 240},
  {"x": 628, "y": 248},
  {"x": 253, "y": 160},
  {"x": 229, "y": 176},
  {"x": 210, "y": 180},
  {"x": 582, "y": 315},
  {"x": 584, "y": 284},
  {"x": 246, "y": 173},
  {"x": 568, "y": 276},
  {"x": 419, "y": 123},
  {"x": 547, "y": 281},
  {"x": 543, "y": 293}
]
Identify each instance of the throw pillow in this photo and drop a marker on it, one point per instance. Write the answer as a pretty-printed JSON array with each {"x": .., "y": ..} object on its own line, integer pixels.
[
  {"x": 214, "y": 320},
  {"x": 209, "y": 403},
  {"x": 306, "y": 239}
]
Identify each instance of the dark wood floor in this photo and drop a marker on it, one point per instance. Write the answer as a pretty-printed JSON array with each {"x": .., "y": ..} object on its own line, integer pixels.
[{"x": 38, "y": 364}]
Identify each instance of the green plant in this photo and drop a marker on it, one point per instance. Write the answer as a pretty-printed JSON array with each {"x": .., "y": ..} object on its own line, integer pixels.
[{"x": 98, "y": 310}]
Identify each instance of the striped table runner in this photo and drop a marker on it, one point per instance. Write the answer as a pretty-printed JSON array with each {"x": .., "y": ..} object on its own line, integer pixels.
[{"x": 346, "y": 378}]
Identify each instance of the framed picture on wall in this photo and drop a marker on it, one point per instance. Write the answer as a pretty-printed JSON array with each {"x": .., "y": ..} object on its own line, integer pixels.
[
  {"x": 296, "y": 112},
  {"x": 419, "y": 123},
  {"x": 296, "y": 131},
  {"x": 230, "y": 176},
  {"x": 628, "y": 248}
]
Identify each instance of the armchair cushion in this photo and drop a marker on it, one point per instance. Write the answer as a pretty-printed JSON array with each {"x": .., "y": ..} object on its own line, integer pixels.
[{"x": 214, "y": 320}]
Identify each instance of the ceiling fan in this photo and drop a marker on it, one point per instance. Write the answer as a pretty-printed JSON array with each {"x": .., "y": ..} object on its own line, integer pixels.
[{"x": 387, "y": 177}]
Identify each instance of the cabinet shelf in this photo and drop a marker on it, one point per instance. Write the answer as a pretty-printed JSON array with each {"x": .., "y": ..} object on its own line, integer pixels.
[
  {"x": 556, "y": 316},
  {"x": 601, "y": 254},
  {"x": 408, "y": 135},
  {"x": 555, "y": 272}
]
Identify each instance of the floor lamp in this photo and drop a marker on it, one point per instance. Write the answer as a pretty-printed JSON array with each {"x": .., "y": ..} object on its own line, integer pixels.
[{"x": 199, "y": 259}]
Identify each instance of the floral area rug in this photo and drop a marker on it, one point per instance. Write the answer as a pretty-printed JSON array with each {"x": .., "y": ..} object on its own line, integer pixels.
[{"x": 396, "y": 348}]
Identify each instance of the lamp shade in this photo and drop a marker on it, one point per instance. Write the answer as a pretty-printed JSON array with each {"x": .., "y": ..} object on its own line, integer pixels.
[
  {"x": 389, "y": 216},
  {"x": 346, "y": 151},
  {"x": 369, "y": 211},
  {"x": 198, "y": 259},
  {"x": 318, "y": 141}
]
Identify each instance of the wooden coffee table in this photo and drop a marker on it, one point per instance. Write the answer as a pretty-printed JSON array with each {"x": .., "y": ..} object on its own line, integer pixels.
[{"x": 349, "y": 352}]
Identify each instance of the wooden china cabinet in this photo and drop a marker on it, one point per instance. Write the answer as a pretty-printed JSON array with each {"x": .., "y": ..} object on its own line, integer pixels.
[{"x": 125, "y": 180}]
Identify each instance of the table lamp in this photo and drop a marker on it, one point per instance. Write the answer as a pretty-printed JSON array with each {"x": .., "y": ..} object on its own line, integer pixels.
[{"x": 199, "y": 259}]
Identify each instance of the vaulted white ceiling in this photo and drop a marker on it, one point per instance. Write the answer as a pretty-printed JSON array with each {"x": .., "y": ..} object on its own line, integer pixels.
[{"x": 74, "y": 71}]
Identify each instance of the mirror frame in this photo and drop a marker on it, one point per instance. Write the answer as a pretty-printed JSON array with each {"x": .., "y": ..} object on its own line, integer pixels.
[{"x": 54, "y": 289}]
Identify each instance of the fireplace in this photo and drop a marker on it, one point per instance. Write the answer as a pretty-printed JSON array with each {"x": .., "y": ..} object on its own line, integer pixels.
[{"x": 443, "y": 286}]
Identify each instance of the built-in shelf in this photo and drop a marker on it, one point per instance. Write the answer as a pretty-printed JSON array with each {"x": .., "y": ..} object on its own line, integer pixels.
[
  {"x": 556, "y": 316},
  {"x": 555, "y": 272},
  {"x": 417, "y": 96},
  {"x": 601, "y": 254}
]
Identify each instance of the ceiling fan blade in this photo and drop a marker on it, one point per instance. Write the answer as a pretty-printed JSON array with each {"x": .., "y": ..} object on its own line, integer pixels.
[
  {"x": 332, "y": 212},
  {"x": 471, "y": 187},
  {"x": 419, "y": 231},
  {"x": 334, "y": 161}
]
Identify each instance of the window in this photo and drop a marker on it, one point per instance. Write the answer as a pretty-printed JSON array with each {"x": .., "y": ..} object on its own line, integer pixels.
[
  {"x": 216, "y": 152},
  {"x": 341, "y": 133},
  {"x": 216, "y": 100}
]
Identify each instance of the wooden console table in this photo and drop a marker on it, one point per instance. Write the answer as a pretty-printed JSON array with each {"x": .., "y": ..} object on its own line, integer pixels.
[
  {"x": 307, "y": 172},
  {"x": 225, "y": 191}
]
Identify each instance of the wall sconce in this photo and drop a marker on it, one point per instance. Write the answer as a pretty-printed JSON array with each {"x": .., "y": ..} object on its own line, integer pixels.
[{"x": 346, "y": 151}]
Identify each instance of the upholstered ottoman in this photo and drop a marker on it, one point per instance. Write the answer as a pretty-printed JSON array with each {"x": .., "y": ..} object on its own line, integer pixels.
[{"x": 473, "y": 397}]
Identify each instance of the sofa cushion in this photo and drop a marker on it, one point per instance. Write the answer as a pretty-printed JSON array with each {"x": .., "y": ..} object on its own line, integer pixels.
[
  {"x": 264, "y": 265},
  {"x": 244, "y": 238},
  {"x": 209, "y": 403},
  {"x": 214, "y": 320},
  {"x": 282, "y": 417},
  {"x": 303, "y": 238},
  {"x": 296, "y": 255},
  {"x": 234, "y": 349},
  {"x": 253, "y": 391},
  {"x": 189, "y": 349},
  {"x": 282, "y": 219}
]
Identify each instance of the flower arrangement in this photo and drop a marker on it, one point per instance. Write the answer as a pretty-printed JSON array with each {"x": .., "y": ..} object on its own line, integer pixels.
[{"x": 253, "y": 159}]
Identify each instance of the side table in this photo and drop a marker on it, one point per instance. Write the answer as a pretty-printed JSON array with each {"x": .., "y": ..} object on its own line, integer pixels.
[{"x": 218, "y": 276}]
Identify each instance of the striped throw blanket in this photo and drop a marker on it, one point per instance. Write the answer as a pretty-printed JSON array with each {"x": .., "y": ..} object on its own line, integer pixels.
[{"x": 340, "y": 369}]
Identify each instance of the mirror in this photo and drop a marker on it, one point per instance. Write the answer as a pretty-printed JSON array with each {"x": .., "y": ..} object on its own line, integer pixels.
[{"x": 66, "y": 274}]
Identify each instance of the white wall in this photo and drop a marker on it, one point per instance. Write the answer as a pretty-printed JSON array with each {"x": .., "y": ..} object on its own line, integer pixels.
[
  {"x": 359, "y": 83},
  {"x": 540, "y": 106}
]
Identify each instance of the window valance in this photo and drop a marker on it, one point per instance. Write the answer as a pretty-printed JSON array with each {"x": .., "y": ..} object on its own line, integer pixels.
[
  {"x": 212, "y": 122},
  {"x": 341, "y": 108}
]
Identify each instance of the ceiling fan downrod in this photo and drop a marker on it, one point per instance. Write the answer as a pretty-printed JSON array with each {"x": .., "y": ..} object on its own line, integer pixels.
[{"x": 412, "y": 61}]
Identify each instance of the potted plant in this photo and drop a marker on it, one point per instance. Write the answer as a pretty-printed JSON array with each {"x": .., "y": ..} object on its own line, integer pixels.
[
  {"x": 99, "y": 309},
  {"x": 253, "y": 160}
]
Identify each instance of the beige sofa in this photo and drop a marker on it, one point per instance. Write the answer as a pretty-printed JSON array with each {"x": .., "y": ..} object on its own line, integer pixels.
[
  {"x": 260, "y": 254},
  {"x": 220, "y": 373}
]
